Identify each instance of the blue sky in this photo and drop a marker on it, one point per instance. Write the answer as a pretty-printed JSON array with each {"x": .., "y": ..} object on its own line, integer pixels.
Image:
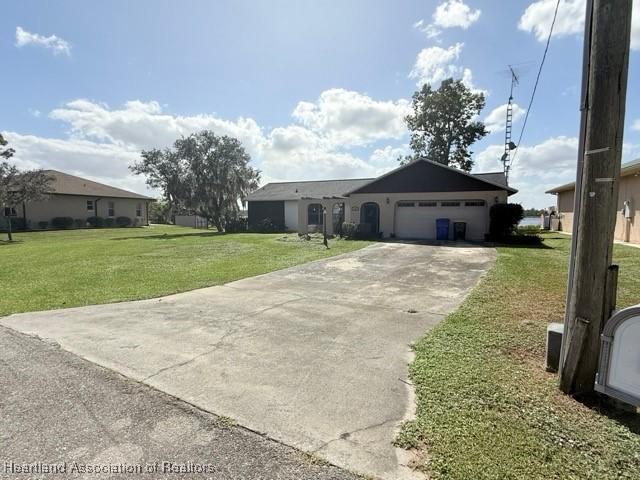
[{"x": 314, "y": 89}]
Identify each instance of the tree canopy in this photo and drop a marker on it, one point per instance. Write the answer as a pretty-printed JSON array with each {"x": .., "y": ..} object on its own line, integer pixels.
[
  {"x": 443, "y": 124},
  {"x": 5, "y": 152},
  {"x": 17, "y": 187},
  {"x": 205, "y": 173}
]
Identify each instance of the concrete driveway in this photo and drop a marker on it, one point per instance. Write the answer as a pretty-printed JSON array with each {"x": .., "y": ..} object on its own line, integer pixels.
[{"x": 314, "y": 356}]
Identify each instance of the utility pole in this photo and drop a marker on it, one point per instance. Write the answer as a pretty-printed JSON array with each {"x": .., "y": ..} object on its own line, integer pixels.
[{"x": 607, "y": 32}]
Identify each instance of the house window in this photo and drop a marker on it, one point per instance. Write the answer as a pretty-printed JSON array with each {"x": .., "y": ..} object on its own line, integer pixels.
[
  {"x": 314, "y": 214},
  {"x": 428, "y": 204},
  {"x": 139, "y": 210},
  {"x": 450, "y": 204},
  {"x": 111, "y": 209},
  {"x": 10, "y": 212},
  {"x": 89, "y": 205},
  {"x": 474, "y": 203},
  {"x": 406, "y": 204}
]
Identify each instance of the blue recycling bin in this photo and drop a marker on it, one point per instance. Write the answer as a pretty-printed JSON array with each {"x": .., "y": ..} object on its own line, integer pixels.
[{"x": 442, "y": 228}]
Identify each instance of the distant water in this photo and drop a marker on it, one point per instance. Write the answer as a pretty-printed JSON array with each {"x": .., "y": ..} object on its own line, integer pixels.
[{"x": 526, "y": 221}]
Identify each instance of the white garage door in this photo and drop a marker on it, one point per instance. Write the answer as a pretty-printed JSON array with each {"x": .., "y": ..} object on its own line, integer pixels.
[{"x": 417, "y": 219}]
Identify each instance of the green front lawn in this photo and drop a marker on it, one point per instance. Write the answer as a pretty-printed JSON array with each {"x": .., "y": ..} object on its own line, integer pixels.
[
  {"x": 486, "y": 409},
  {"x": 57, "y": 269}
]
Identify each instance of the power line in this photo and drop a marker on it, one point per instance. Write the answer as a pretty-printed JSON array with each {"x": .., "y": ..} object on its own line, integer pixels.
[{"x": 535, "y": 86}]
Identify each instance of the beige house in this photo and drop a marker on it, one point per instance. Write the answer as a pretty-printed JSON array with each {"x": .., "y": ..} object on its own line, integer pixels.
[
  {"x": 404, "y": 203},
  {"x": 627, "y": 224},
  {"x": 79, "y": 198}
]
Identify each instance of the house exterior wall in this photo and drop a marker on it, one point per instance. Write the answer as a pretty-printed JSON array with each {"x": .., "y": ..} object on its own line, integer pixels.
[
  {"x": 327, "y": 203},
  {"x": 75, "y": 206},
  {"x": 291, "y": 215},
  {"x": 627, "y": 229},
  {"x": 388, "y": 208},
  {"x": 565, "y": 210}
]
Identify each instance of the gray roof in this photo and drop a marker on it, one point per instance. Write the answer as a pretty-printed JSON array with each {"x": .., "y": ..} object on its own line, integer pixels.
[
  {"x": 340, "y": 188},
  {"x": 501, "y": 183},
  {"x": 309, "y": 189},
  {"x": 66, "y": 184},
  {"x": 494, "y": 177},
  {"x": 629, "y": 168}
]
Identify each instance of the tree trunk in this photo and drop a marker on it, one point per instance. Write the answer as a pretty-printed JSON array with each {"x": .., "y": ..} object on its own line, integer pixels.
[{"x": 9, "y": 229}]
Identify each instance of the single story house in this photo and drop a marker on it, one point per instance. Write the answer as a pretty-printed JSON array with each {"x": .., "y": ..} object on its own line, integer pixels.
[
  {"x": 403, "y": 203},
  {"x": 79, "y": 198},
  {"x": 627, "y": 229}
]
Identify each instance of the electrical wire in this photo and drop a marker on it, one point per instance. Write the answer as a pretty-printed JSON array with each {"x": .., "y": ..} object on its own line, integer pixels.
[{"x": 535, "y": 86}]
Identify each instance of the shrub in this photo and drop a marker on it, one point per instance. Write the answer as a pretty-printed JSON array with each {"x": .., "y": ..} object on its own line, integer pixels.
[
  {"x": 123, "y": 221},
  {"x": 236, "y": 225},
  {"x": 95, "y": 221},
  {"x": 267, "y": 225},
  {"x": 109, "y": 222},
  {"x": 17, "y": 223},
  {"x": 62, "y": 222},
  {"x": 357, "y": 230},
  {"x": 42, "y": 225},
  {"x": 79, "y": 223},
  {"x": 349, "y": 230},
  {"x": 504, "y": 218}
]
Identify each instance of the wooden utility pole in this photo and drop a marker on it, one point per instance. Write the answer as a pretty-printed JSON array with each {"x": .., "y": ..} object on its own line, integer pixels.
[{"x": 589, "y": 298}]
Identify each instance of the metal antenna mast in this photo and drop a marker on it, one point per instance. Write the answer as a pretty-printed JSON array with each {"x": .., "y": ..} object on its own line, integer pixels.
[{"x": 508, "y": 144}]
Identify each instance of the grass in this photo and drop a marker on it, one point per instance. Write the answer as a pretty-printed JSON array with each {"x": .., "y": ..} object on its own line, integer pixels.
[
  {"x": 57, "y": 269},
  {"x": 486, "y": 409}
]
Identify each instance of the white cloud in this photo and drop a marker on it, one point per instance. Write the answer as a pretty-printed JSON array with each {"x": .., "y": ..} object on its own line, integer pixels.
[
  {"x": 349, "y": 118},
  {"x": 540, "y": 167},
  {"x": 107, "y": 163},
  {"x": 496, "y": 119},
  {"x": 636, "y": 125},
  {"x": 430, "y": 30},
  {"x": 143, "y": 125},
  {"x": 387, "y": 157},
  {"x": 103, "y": 141},
  {"x": 538, "y": 16},
  {"x": 434, "y": 64},
  {"x": 536, "y": 169},
  {"x": 449, "y": 14},
  {"x": 56, "y": 44},
  {"x": 455, "y": 13}
]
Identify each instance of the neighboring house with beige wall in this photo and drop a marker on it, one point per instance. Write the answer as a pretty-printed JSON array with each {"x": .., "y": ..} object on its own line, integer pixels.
[
  {"x": 403, "y": 203},
  {"x": 627, "y": 224},
  {"x": 80, "y": 198}
]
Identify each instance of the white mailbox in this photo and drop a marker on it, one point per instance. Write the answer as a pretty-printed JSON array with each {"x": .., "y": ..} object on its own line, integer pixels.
[{"x": 619, "y": 367}]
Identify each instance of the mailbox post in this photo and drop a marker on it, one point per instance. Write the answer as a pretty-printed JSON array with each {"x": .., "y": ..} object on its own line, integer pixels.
[{"x": 619, "y": 367}]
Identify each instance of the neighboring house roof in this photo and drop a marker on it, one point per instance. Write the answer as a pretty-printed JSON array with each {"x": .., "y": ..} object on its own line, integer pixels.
[
  {"x": 426, "y": 176},
  {"x": 629, "y": 168},
  {"x": 311, "y": 189},
  {"x": 66, "y": 184}
]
